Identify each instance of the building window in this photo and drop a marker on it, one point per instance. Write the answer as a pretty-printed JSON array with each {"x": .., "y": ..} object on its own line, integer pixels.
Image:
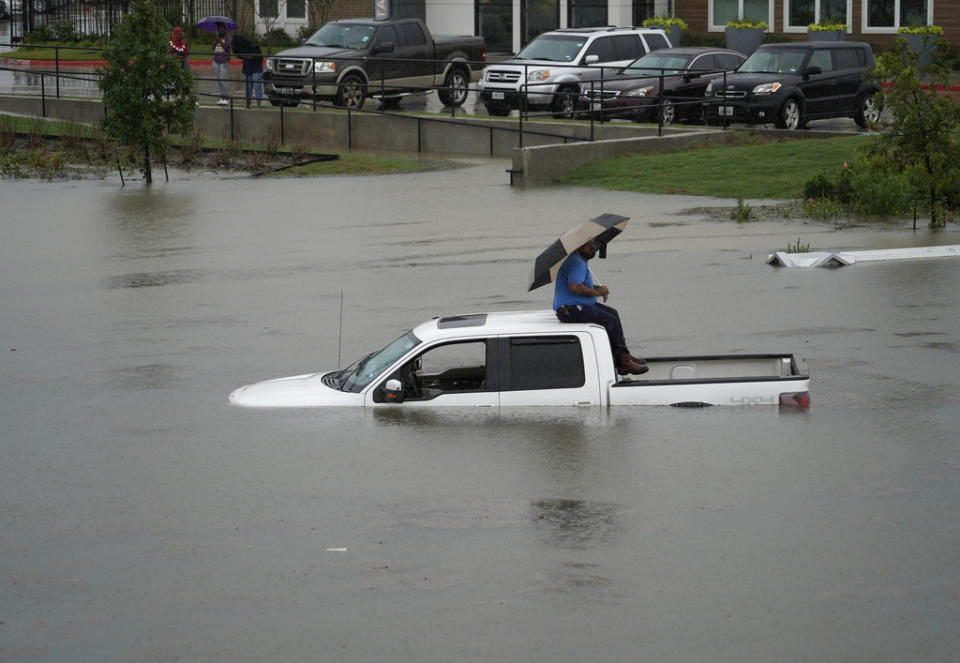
[
  {"x": 586, "y": 13},
  {"x": 296, "y": 9},
  {"x": 495, "y": 24},
  {"x": 269, "y": 8},
  {"x": 642, "y": 9},
  {"x": 722, "y": 11},
  {"x": 538, "y": 16},
  {"x": 801, "y": 13},
  {"x": 885, "y": 16}
]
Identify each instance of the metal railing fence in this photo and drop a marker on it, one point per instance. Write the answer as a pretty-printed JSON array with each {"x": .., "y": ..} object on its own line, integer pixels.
[{"x": 585, "y": 106}]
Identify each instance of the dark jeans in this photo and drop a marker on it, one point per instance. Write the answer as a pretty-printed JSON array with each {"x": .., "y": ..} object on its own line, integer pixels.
[{"x": 601, "y": 314}]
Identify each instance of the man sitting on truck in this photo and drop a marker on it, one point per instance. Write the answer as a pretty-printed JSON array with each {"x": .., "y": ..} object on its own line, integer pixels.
[{"x": 575, "y": 300}]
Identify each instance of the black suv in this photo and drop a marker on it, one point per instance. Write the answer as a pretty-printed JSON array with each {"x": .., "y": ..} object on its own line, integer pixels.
[{"x": 790, "y": 84}]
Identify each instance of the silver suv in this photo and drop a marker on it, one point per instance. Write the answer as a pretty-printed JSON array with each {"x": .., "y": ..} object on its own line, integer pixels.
[{"x": 549, "y": 71}]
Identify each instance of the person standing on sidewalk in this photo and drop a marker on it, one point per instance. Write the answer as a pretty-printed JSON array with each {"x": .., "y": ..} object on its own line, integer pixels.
[
  {"x": 222, "y": 45},
  {"x": 249, "y": 51},
  {"x": 179, "y": 47}
]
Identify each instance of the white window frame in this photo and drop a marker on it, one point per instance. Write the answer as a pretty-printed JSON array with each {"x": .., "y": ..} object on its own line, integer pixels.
[
  {"x": 896, "y": 18},
  {"x": 816, "y": 17},
  {"x": 769, "y": 19}
]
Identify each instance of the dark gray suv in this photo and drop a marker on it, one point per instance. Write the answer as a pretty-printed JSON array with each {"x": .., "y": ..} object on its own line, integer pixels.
[{"x": 791, "y": 84}]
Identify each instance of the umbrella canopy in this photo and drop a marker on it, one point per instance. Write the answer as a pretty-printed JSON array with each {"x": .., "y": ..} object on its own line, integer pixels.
[
  {"x": 601, "y": 229},
  {"x": 210, "y": 23}
]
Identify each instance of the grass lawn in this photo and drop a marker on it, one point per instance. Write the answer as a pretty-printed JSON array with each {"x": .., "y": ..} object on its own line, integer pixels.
[
  {"x": 71, "y": 54},
  {"x": 751, "y": 170}
]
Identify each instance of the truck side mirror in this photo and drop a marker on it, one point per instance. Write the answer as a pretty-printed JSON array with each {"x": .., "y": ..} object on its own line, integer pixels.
[
  {"x": 393, "y": 391},
  {"x": 812, "y": 71},
  {"x": 383, "y": 47},
  {"x": 591, "y": 59}
]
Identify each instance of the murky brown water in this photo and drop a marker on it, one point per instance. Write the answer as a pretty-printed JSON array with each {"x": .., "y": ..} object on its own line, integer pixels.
[{"x": 145, "y": 519}]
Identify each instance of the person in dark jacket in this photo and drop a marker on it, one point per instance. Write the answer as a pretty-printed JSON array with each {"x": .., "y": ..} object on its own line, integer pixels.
[{"x": 249, "y": 51}]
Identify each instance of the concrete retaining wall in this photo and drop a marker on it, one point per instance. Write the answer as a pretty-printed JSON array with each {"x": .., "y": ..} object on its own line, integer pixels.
[{"x": 549, "y": 149}]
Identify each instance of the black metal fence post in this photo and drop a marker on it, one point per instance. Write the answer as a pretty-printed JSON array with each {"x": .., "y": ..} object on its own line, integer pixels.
[{"x": 56, "y": 59}]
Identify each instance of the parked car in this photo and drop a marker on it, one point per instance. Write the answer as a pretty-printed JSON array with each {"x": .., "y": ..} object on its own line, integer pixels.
[
  {"x": 791, "y": 84},
  {"x": 551, "y": 71},
  {"x": 635, "y": 91},
  {"x": 347, "y": 60}
]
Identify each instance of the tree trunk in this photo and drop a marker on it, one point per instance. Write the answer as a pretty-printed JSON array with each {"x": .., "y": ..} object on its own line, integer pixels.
[{"x": 146, "y": 165}]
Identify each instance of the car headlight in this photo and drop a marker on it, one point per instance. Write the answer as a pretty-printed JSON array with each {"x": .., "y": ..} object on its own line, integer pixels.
[
  {"x": 538, "y": 75},
  {"x": 766, "y": 88},
  {"x": 639, "y": 91},
  {"x": 324, "y": 67},
  {"x": 709, "y": 91},
  {"x": 269, "y": 65}
]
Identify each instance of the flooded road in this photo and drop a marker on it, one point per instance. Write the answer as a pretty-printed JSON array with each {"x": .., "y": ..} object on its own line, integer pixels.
[{"x": 146, "y": 519}]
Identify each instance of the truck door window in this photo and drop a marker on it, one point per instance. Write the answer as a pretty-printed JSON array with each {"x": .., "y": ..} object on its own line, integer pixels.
[
  {"x": 412, "y": 34},
  {"x": 448, "y": 368},
  {"x": 627, "y": 47},
  {"x": 545, "y": 362},
  {"x": 603, "y": 48},
  {"x": 388, "y": 34}
]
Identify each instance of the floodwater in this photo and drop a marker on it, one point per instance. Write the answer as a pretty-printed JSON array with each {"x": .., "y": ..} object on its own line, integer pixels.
[{"x": 145, "y": 519}]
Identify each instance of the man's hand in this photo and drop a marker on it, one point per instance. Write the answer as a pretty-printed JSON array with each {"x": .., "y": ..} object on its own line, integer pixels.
[{"x": 602, "y": 291}]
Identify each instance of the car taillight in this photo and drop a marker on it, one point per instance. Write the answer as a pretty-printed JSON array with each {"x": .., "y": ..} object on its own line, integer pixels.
[
  {"x": 483, "y": 54},
  {"x": 795, "y": 398}
]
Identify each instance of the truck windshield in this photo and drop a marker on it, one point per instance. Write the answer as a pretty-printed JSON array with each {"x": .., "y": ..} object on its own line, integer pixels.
[
  {"x": 781, "y": 61},
  {"x": 556, "y": 48},
  {"x": 341, "y": 35},
  {"x": 360, "y": 373}
]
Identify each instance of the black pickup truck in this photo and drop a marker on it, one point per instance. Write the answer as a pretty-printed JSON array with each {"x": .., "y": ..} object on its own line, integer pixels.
[{"x": 348, "y": 60}]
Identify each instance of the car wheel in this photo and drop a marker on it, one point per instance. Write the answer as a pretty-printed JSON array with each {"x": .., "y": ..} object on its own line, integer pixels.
[
  {"x": 565, "y": 103},
  {"x": 500, "y": 110},
  {"x": 790, "y": 115},
  {"x": 668, "y": 112},
  {"x": 455, "y": 88},
  {"x": 867, "y": 111},
  {"x": 352, "y": 92}
]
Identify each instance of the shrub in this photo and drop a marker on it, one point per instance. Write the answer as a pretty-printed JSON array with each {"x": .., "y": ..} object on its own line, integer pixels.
[
  {"x": 42, "y": 34},
  {"x": 665, "y": 21},
  {"x": 278, "y": 38},
  {"x": 64, "y": 32}
]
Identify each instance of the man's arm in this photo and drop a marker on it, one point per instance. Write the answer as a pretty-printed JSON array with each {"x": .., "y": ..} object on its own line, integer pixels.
[{"x": 581, "y": 289}]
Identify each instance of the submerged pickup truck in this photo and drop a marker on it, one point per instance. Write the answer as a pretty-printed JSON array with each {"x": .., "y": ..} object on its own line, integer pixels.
[
  {"x": 530, "y": 359},
  {"x": 348, "y": 60}
]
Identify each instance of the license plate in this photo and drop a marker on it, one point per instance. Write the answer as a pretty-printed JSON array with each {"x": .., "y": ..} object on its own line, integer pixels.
[
  {"x": 286, "y": 91},
  {"x": 726, "y": 110},
  {"x": 596, "y": 105},
  {"x": 496, "y": 95}
]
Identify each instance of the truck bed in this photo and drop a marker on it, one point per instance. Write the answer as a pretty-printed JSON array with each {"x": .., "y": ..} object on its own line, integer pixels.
[{"x": 761, "y": 379}]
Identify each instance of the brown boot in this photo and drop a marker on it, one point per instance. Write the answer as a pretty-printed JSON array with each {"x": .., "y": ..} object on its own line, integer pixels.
[{"x": 626, "y": 365}]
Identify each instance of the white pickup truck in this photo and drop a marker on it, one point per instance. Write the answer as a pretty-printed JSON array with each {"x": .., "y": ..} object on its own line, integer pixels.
[{"x": 530, "y": 359}]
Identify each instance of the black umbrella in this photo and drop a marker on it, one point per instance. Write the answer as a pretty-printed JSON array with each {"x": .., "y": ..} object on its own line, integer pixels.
[{"x": 601, "y": 229}]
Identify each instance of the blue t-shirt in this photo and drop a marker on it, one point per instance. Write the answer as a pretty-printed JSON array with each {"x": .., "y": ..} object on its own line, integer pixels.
[{"x": 573, "y": 270}]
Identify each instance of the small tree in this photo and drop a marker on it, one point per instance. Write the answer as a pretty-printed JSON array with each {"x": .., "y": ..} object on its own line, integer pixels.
[
  {"x": 146, "y": 91},
  {"x": 920, "y": 138}
]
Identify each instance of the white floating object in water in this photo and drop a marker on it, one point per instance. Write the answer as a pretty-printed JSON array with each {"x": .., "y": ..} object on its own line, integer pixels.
[{"x": 842, "y": 258}]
